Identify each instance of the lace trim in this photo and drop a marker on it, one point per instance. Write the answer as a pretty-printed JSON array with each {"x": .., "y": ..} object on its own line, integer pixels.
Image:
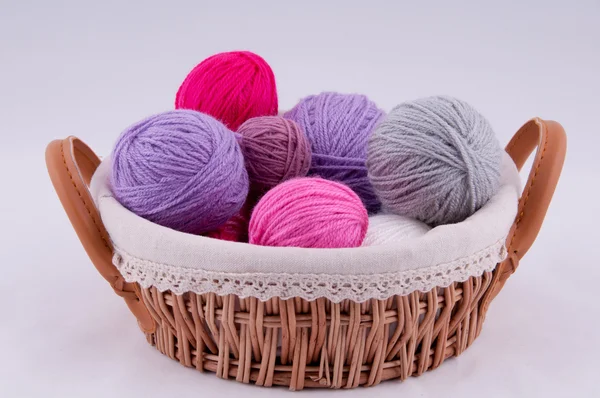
[{"x": 336, "y": 288}]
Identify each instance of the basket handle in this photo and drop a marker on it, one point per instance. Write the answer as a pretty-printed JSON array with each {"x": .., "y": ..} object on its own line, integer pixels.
[
  {"x": 551, "y": 142},
  {"x": 71, "y": 164}
]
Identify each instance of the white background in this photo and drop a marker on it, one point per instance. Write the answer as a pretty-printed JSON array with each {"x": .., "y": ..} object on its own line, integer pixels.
[{"x": 92, "y": 68}]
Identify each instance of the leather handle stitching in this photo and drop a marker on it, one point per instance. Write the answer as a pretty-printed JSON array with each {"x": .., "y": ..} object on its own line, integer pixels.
[
  {"x": 535, "y": 174},
  {"x": 517, "y": 138},
  {"x": 128, "y": 295},
  {"x": 117, "y": 278},
  {"x": 62, "y": 152}
]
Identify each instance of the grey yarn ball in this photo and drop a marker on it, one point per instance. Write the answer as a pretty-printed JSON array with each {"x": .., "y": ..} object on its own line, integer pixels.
[{"x": 435, "y": 159}]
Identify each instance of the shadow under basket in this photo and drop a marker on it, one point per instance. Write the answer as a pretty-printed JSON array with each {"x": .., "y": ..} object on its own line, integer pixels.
[{"x": 320, "y": 343}]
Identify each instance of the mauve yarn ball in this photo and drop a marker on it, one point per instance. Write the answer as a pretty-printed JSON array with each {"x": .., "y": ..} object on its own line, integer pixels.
[
  {"x": 435, "y": 159},
  {"x": 338, "y": 127},
  {"x": 385, "y": 229},
  {"x": 231, "y": 86},
  {"x": 309, "y": 212},
  {"x": 275, "y": 149},
  {"x": 181, "y": 169}
]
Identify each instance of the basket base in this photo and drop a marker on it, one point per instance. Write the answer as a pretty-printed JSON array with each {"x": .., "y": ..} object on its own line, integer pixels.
[{"x": 302, "y": 344}]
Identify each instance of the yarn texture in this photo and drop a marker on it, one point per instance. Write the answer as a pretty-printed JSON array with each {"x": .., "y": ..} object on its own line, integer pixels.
[
  {"x": 387, "y": 229},
  {"x": 309, "y": 212},
  {"x": 235, "y": 229},
  {"x": 181, "y": 169},
  {"x": 232, "y": 86},
  {"x": 338, "y": 127},
  {"x": 275, "y": 149},
  {"x": 435, "y": 159}
]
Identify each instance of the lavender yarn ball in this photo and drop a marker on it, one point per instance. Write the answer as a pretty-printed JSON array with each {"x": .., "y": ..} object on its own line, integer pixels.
[
  {"x": 435, "y": 159},
  {"x": 338, "y": 127},
  {"x": 181, "y": 169},
  {"x": 275, "y": 149}
]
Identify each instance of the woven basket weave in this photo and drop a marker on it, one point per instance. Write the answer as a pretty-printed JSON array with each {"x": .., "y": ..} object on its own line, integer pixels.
[{"x": 299, "y": 343}]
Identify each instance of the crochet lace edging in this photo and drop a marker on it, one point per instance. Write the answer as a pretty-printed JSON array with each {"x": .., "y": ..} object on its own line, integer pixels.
[{"x": 336, "y": 288}]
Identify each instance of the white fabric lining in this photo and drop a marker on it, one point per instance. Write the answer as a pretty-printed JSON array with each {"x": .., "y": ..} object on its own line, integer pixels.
[
  {"x": 153, "y": 255},
  {"x": 336, "y": 288}
]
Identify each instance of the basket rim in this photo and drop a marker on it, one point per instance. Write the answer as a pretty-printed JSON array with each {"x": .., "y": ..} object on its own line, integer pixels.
[
  {"x": 441, "y": 245},
  {"x": 334, "y": 287}
]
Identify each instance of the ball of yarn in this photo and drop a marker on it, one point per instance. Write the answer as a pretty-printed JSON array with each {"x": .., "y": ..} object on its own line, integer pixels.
[
  {"x": 338, "y": 128},
  {"x": 435, "y": 159},
  {"x": 391, "y": 228},
  {"x": 181, "y": 169},
  {"x": 275, "y": 149},
  {"x": 232, "y": 86},
  {"x": 309, "y": 212},
  {"x": 234, "y": 230}
]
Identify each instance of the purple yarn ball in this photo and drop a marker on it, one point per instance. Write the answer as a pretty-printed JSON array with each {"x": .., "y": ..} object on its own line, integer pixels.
[
  {"x": 181, "y": 169},
  {"x": 338, "y": 127}
]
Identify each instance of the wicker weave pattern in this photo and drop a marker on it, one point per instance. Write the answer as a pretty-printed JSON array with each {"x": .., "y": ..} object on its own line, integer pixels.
[{"x": 300, "y": 344}]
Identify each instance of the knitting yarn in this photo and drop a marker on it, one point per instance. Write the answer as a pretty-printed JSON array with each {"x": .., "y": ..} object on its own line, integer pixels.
[
  {"x": 181, "y": 169},
  {"x": 232, "y": 86},
  {"x": 235, "y": 229},
  {"x": 435, "y": 159},
  {"x": 309, "y": 212},
  {"x": 275, "y": 149},
  {"x": 338, "y": 127},
  {"x": 387, "y": 229}
]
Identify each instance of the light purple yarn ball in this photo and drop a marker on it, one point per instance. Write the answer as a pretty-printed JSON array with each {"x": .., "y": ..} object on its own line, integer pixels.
[
  {"x": 338, "y": 127},
  {"x": 181, "y": 169}
]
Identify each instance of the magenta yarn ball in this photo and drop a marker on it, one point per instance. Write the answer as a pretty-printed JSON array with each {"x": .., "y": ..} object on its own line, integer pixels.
[
  {"x": 311, "y": 213},
  {"x": 231, "y": 86},
  {"x": 275, "y": 150},
  {"x": 234, "y": 230}
]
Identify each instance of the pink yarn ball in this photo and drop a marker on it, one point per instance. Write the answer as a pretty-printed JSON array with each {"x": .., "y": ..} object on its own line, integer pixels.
[
  {"x": 309, "y": 212},
  {"x": 232, "y": 87}
]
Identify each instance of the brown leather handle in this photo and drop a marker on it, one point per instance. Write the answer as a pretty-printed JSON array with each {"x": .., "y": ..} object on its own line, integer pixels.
[
  {"x": 71, "y": 165},
  {"x": 551, "y": 142}
]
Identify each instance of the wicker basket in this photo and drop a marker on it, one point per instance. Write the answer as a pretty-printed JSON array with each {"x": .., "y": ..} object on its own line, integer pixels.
[{"x": 299, "y": 343}]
